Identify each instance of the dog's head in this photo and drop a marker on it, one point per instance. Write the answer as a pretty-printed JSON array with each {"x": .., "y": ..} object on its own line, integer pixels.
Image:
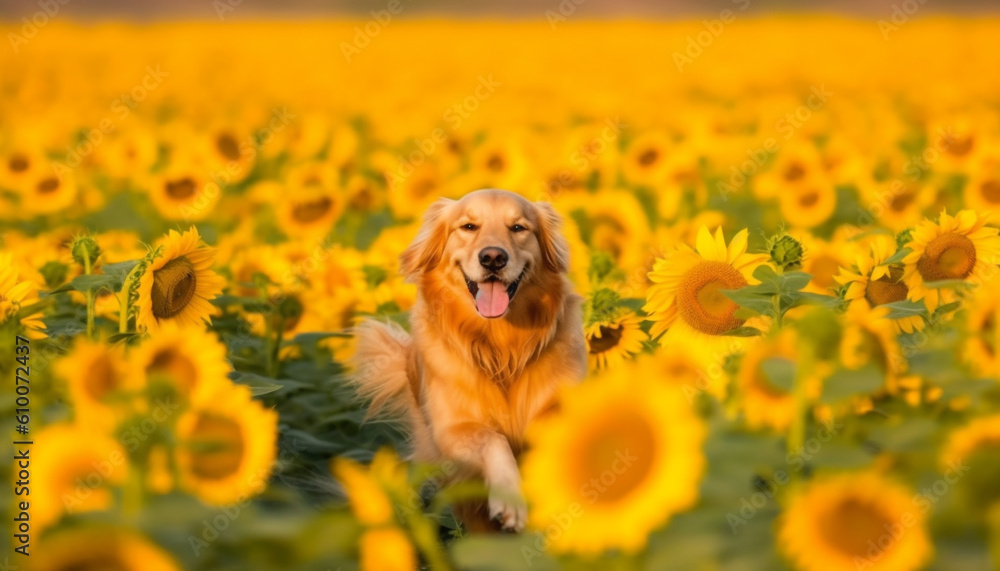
[{"x": 489, "y": 244}]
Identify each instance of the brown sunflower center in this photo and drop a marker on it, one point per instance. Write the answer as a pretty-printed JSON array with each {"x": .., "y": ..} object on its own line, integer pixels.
[
  {"x": 175, "y": 365},
  {"x": 823, "y": 269},
  {"x": 495, "y": 163},
  {"x": 620, "y": 456},
  {"x": 989, "y": 335},
  {"x": 96, "y": 562},
  {"x": 181, "y": 189},
  {"x": 991, "y": 191},
  {"x": 700, "y": 301},
  {"x": 173, "y": 287},
  {"x": 306, "y": 212},
  {"x": 649, "y": 157},
  {"x": 219, "y": 447},
  {"x": 18, "y": 163},
  {"x": 423, "y": 187},
  {"x": 100, "y": 379},
  {"x": 887, "y": 289},
  {"x": 228, "y": 147},
  {"x": 48, "y": 185},
  {"x": 961, "y": 145},
  {"x": 900, "y": 201},
  {"x": 809, "y": 199},
  {"x": 850, "y": 525},
  {"x": 948, "y": 257},
  {"x": 794, "y": 172},
  {"x": 609, "y": 339}
]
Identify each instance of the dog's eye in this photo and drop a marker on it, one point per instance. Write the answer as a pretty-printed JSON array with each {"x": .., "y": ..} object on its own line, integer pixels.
[
  {"x": 517, "y": 228},
  {"x": 470, "y": 227}
]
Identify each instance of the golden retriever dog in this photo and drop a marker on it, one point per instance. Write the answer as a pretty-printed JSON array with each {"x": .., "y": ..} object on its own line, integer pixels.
[{"x": 495, "y": 331}]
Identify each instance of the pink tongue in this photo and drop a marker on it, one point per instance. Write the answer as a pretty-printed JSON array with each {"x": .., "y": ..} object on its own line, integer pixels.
[{"x": 492, "y": 299}]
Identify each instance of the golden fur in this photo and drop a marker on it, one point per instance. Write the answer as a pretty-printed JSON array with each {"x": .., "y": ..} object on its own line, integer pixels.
[{"x": 467, "y": 385}]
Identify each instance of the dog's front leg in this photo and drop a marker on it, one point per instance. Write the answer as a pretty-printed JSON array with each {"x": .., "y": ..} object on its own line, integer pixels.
[{"x": 489, "y": 452}]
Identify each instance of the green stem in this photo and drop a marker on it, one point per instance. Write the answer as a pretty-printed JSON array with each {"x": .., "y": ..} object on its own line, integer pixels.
[
  {"x": 993, "y": 516},
  {"x": 123, "y": 305},
  {"x": 797, "y": 432},
  {"x": 87, "y": 268}
]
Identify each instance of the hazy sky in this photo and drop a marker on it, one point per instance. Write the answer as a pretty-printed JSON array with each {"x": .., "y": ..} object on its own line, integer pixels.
[{"x": 205, "y": 9}]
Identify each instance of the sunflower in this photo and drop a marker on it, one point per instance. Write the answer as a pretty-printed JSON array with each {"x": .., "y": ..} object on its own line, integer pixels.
[
  {"x": 370, "y": 490},
  {"x": 873, "y": 283},
  {"x": 76, "y": 474},
  {"x": 178, "y": 283},
  {"x": 623, "y": 454},
  {"x": 809, "y": 202},
  {"x": 16, "y": 294},
  {"x": 134, "y": 150},
  {"x": 976, "y": 447},
  {"x": 686, "y": 298},
  {"x": 959, "y": 247},
  {"x": 230, "y": 150},
  {"x": 611, "y": 221},
  {"x": 869, "y": 338},
  {"x": 982, "y": 344},
  {"x": 499, "y": 162},
  {"x": 765, "y": 402},
  {"x": 97, "y": 381},
  {"x": 646, "y": 159},
  {"x": 387, "y": 549},
  {"x": 611, "y": 341},
  {"x": 410, "y": 195},
  {"x": 854, "y": 521},
  {"x": 49, "y": 192},
  {"x": 692, "y": 367},
  {"x": 20, "y": 166},
  {"x": 312, "y": 203},
  {"x": 227, "y": 446},
  {"x": 192, "y": 360},
  {"x": 797, "y": 162},
  {"x": 898, "y": 204},
  {"x": 982, "y": 191},
  {"x": 184, "y": 191},
  {"x": 821, "y": 259},
  {"x": 100, "y": 547}
]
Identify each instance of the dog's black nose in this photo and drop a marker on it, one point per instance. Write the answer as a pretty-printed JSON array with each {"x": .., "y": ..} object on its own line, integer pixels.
[{"x": 493, "y": 259}]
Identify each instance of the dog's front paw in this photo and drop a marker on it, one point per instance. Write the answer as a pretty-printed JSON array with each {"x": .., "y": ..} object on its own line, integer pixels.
[{"x": 508, "y": 510}]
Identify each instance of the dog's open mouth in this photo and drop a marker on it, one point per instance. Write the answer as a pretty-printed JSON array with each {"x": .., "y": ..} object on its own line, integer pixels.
[{"x": 492, "y": 295}]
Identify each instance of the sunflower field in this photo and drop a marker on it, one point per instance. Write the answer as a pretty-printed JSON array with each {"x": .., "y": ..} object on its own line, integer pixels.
[{"x": 785, "y": 230}]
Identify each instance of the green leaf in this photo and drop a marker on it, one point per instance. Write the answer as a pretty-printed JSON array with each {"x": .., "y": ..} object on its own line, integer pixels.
[
  {"x": 845, "y": 383},
  {"x": 947, "y": 284},
  {"x": 744, "y": 331},
  {"x": 793, "y": 281},
  {"x": 897, "y": 258},
  {"x": 502, "y": 553},
  {"x": 810, "y": 298},
  {"x": 258, "y": 384},
  {"x": 120, "y": 270},
  {"x": 905, "y": 308},
  {"x": 780, "y": 372},
  {"x": 95, "y": 282},
  {"x": 752, "y": 298},
  {"x": 121, "y": 337}
]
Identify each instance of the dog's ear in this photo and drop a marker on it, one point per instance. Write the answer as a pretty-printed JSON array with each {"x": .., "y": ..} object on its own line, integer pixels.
[
  {"x": 555, "y": 250},
  {"x": 427, "y": 248}
]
